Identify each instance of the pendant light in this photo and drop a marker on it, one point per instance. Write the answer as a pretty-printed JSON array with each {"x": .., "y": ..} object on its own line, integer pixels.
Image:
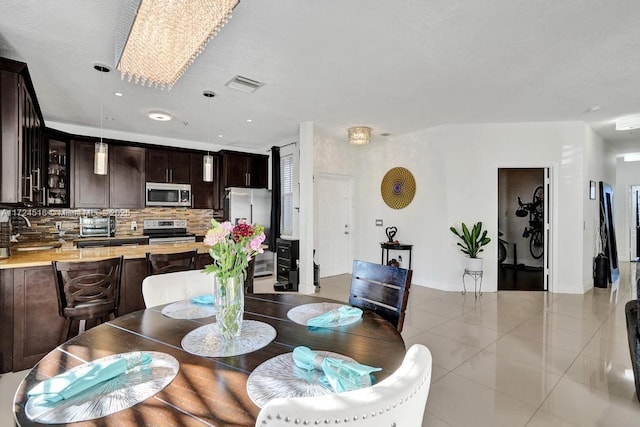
[
  {"x": 101, "y": 155},
  {"x": 207, "y": 161}
]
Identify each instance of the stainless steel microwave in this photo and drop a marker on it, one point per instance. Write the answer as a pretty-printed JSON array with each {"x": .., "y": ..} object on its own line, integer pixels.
[{"x": 165, "y": 194}]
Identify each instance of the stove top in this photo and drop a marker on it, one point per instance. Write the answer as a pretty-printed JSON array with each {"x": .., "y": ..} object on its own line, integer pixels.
[{"x": 167, "y": 231}]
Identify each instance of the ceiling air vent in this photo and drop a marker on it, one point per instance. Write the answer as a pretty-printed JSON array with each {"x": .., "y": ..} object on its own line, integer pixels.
[{"x": 243, "y": 84}]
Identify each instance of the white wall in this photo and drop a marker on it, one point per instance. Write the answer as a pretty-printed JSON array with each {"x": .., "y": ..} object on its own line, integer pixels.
[
  {"x": 455, "y": 168},
  {"x": 627, "y": 174}
]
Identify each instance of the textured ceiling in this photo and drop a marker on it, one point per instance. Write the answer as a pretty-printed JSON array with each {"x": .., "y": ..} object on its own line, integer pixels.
[{"x": 397, "y": 66}]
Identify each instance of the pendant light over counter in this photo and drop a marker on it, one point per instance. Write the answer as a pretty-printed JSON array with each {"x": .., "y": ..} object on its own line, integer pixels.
[
  {"x": 207, "y": 161},
  {"x": 101, "y": 155}
]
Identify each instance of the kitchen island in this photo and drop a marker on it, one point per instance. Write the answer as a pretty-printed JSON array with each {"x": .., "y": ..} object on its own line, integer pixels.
[{"x": 31, "y": 326}]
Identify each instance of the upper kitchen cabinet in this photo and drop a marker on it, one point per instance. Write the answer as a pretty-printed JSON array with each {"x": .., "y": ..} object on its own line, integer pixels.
[
  {"x": 89, "y": 190},
  {"x": 168, "y": 166},
  {"x": 122, "y": 187},
  {"x": 21, "y": 129},
  {"x": 126, "y": 177},
  {"x": 56, "y": 168},
  {"x": 205, "y": 194},
  {"x": 244, "y": 169}
]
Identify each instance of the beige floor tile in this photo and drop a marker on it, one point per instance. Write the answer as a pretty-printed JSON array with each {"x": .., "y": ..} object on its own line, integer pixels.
[
  {"x": 438, "y": 372},
  {"x": 446, "y": 352},
  {"x": 605, "y": 376},
  {"x": 493, "y": 319},
  {"x": 9, "y": 383},
  {"x": 545, "y": 419},
  {"x": 462, "y": 402},
  {"x": 582, "y": 326},
  {"x": 467, "y": 333},
  {"x": 588, "y": 407},
  {"x": 536, "y": 329},
  {"x": 431, "y": 420},
  {"x": 535, "y": 354},
  {"x": 444, "y": 308},
  {"x": 508, "y": 376},
  {"x": 418, "y": 321},
  {"x": 603, "y": 348}
]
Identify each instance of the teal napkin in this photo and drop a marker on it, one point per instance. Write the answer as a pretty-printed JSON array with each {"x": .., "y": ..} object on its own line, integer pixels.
[
  {"x": 75, "y": 381},
  {"x": 338, "y": 374},
  {"x": 343, "y": 315},
  {"x": 202, "y": 299}
]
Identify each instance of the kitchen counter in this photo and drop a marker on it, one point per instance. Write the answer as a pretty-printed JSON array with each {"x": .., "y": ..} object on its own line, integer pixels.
[{"x": 68, "y": 253}]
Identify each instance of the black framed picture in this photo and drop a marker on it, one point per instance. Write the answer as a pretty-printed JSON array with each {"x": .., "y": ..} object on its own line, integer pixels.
[{"x": 592, "y": 190}]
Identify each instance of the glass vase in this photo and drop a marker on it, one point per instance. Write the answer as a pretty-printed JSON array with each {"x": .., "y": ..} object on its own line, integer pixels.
[{"x": 229, "y": 302}]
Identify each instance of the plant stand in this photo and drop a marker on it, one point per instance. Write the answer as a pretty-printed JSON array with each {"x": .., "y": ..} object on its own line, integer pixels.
[{"x": 477, "y": 277}]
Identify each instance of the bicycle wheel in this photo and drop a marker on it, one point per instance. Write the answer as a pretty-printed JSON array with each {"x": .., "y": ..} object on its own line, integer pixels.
[
  {"x": 536, "y": 244},
  {"x": 538, "y": 201},
  {"x": 502, "y": 252}
]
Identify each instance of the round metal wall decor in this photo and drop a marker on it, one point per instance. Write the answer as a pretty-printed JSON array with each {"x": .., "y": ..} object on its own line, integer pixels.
[{"x": 398, "y": 188}]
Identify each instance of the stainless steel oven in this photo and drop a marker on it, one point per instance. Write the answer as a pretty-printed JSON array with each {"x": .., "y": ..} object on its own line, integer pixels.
[
  {"x": 167, "y": 231},
  {"x": 166, "y": 194}
]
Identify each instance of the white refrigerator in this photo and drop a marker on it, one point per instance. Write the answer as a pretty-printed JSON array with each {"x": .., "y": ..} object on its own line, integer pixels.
[{"x": 254, "y": 206}]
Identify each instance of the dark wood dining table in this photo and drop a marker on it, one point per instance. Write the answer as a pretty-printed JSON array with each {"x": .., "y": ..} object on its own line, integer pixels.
[{"x": 207, "y": 390}]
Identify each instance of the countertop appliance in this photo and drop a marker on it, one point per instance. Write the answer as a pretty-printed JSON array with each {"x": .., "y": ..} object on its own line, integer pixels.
[
  {"x": 99, "y": 226},
  {"x": 254, "y": 206},
  {"x": 167, "y": 194},
  {"x": 167, "y": 231}
]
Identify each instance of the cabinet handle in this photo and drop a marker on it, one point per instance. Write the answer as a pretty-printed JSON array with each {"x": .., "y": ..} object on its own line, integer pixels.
[
  {"x": 166, "y": 175},
  {"x": 170, "y": 175},
  {"x": 30, "y": 179}
]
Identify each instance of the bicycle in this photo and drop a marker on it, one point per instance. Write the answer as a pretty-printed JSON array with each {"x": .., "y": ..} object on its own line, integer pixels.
[{"x": 535, "y": 211}]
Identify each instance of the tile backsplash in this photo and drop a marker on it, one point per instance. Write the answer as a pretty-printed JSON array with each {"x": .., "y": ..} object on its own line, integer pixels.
[{"x": 43, "y": 221}]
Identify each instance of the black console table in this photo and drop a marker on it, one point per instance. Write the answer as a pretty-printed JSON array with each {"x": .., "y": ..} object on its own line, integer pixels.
[{"x": 386, "y": 246}]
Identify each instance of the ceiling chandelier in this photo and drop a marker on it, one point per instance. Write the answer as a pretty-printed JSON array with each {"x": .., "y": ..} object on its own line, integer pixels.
[
  {"x": 359, "y": 135},
  {"x": 157, "y": 40}
]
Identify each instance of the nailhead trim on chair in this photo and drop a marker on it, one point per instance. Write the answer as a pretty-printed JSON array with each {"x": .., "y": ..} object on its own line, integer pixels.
[{"x": 355, "y": 417}]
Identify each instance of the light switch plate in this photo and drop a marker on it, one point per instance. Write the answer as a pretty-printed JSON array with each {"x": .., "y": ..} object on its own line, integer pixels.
[{"x": 378, "y": 222}]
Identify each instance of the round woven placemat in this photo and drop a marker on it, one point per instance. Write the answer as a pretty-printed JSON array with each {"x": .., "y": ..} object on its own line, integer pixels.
[{"x": 398, "y": 188}]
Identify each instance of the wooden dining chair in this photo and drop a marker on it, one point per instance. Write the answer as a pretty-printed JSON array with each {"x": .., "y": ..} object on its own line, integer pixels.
[
  {"x": 169, "y": 263},
  {"x": 381, "y": 288},
  {"x": 87, "y": 290},
  {"x": 248, "y": 280},
  {"x": 398, "y": 400}
]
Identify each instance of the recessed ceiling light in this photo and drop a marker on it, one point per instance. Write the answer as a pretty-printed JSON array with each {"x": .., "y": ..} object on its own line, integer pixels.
[
  {"x": 632, "y": 157},
  {"x": 628, "y": 122},
  {"x": 220, "y": 136},
  {"x": 118, "y": 93},
  {"x": 593, "y": 109},
  {"x": 249, "y": 120},
  {"x": 161, "y": 116}
]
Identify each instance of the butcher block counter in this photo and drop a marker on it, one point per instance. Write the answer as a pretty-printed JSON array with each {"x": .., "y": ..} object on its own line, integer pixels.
[{"x": 30, "y": 324}]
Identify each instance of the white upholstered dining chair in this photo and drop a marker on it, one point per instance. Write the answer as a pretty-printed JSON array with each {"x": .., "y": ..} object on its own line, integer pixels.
[
  {"x": 170, "y": 287},
  {"x": 397, "y": 401}
]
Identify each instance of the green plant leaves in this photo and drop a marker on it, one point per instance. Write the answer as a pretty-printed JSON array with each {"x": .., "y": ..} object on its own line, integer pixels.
[{"x": 472, "y": 240}]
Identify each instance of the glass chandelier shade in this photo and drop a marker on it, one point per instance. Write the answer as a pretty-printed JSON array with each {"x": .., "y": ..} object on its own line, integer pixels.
[
  {"x": 359, "y": 135},
  {"x": 157, "y": 40},
  {"x": 101, "y": 158},
  {"x": 207, "y": 168}
]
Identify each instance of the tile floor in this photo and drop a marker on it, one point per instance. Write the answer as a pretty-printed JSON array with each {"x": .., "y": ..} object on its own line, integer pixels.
[{"x": 512, "y": 358}]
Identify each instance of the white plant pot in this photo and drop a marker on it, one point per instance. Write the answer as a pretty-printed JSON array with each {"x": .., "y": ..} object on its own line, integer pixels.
[{"x": 474, "y": 264}]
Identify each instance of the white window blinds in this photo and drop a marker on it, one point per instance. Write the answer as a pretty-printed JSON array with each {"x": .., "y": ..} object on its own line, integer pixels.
[{"x": 286, "y": 194}]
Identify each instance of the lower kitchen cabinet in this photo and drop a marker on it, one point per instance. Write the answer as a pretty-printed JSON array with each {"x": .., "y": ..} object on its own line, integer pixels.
[{"x": 31, "y": 325}]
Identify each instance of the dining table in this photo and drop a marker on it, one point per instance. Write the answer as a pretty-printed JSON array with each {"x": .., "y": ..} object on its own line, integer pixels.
[{"x": 211, "y": 390}]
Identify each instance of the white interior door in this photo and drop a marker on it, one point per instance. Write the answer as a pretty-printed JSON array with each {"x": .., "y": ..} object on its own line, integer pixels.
[{"x": 334, "y": 251}]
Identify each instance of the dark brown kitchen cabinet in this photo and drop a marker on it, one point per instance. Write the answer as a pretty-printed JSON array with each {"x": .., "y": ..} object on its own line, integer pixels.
[
  {"x": 37, "y": 325},
  {"x": 205, "y": 194},
  {"x": 56, "y": 169},
  {"x": 168, "y": 166},
  {"x": 89, "y": 190},
  {"x": 21, "y": 129},
  {"x": 126, "y": 177},
  {"x": 244, "y": 169}
]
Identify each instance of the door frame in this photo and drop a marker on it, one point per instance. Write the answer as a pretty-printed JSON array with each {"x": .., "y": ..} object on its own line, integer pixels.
[
  {"x": 348, "y": 180},
  {"x": 550, "y": 217}
]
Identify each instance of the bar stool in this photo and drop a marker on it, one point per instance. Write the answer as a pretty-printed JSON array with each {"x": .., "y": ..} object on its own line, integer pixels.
[
  {"x": 87, "y": 290},
  {"x": 170, "y": 263}
]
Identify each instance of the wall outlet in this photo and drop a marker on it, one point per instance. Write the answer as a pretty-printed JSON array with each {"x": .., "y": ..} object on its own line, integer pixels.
[
  {"x": 58, "y": 225},
  {"x": 134, "y": 226},
  {"x": 378, "y": 222}
]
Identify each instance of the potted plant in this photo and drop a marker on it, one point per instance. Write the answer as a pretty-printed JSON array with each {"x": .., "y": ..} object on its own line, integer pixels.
[{"x": 472, "y": 242}]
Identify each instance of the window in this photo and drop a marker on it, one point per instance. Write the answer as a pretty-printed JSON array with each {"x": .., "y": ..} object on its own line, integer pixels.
[{"x": 286, "y": 194}]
